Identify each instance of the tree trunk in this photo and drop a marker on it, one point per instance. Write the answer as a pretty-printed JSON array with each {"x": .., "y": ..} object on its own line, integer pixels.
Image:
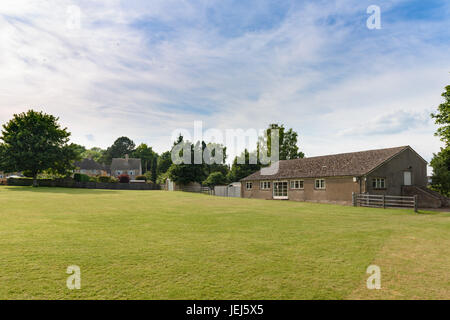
[{"x": 35, "y": 182}]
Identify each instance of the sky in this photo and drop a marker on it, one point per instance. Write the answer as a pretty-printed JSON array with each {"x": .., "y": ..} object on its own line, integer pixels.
[{"x": 145, "y": 69}]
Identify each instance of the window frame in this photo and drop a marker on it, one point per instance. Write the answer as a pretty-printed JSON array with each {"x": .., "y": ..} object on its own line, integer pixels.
[
  {"x": 300, "y": 182},
  {"x": 265, "y": 185},
  {"x": 247, "y": 185},
  {"x": 321, "y": 186},
  {"x": 379, "y": 183}
]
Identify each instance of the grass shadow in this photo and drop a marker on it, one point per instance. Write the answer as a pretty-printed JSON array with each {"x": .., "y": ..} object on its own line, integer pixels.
[{"x": 71, "y": 191}]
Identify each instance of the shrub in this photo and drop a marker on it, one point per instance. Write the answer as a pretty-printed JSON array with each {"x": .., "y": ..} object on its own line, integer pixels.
[
  {"x": 214, "y": 179},
  {"x": 141, "y": 178},
  {"x": 149, "y": 176},
  {"x": 79, "y": 177},
  {"x": 124, "y": 178},
  {"x": 162, "y": 178},
  {"x": 114, "y": 180},
  {"x": 104, "y": 179}
]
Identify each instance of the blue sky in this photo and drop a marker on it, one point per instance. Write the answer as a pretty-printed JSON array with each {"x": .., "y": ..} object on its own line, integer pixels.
[{"x": 145, "y": 68}]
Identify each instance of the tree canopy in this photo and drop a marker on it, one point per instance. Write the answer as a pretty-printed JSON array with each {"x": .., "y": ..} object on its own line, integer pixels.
[
  {"x": 164, "y": 163},
  {"x": 288, "y": 147},
  {"x": 34, "y": 142},
  {"x": 148, "y": 158},
  {"x": 118, "y": 149},
  {"x": 215, "y": 179},
  {"x": 442, "y": 118},
  {"x": 197, "y": 172},
  {"x": 441, "y": 161},
  {"x": 94, "y": 153},
  {"x": 242, "y": 170}
]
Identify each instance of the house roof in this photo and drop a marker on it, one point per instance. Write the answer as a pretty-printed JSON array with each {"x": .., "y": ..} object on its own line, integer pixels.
[
  {"x": 343, "y": 164},
  {"x": 125, "y": 164},
  {"x": 89, "y": 164}
]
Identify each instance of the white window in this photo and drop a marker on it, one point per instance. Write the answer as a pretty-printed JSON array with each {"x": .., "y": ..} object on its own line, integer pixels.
[
  {"x": 379, "y": 183},
  {"x": 320, "y": 183},
  {"x": 264, "y": 185},
  {"x": 296, "y": 184},
  {"x": 249, "y": 185},
  {"x": 119, "y": 172},
  {"x": 131, "y": 172}
]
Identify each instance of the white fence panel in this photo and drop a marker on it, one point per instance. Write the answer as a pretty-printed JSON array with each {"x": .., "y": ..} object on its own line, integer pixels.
[{"x": 227, "y": 191}]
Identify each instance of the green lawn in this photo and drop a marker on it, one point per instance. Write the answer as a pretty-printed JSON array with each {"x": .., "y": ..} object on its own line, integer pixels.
[{"x": 174, "y": 245}]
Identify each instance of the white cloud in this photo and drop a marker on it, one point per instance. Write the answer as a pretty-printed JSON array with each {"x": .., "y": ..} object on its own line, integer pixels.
[{"x": 316, "y": 69}]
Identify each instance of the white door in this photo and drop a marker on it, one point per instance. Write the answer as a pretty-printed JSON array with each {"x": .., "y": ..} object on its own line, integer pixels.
[
  {"x": 280, "y": 190},
  {"x": 407, "y": 178}
]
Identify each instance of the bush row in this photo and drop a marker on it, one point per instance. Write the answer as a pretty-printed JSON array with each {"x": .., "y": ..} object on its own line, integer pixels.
[
  {"x": 71, "y": 183},
  {"x": 80, "y": 177}
]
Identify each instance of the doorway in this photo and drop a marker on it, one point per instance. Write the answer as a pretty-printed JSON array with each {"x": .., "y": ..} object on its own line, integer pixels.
[
  {"x": 280, "y": 190},
  {"x": 407, "y": 178}
]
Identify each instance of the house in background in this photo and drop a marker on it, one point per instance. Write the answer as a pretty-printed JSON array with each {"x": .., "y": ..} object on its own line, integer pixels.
[
  {"x": 129, "y": 166},
  {"x": 91, "y": 167},
  {"x": 333, "y": 178}
]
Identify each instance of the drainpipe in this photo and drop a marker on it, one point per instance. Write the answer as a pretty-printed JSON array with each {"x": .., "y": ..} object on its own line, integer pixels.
[{"x": 360, "y": 179}]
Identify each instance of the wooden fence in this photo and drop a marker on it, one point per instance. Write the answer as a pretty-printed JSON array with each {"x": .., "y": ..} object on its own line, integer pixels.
[{"x": 383, "y": 201}]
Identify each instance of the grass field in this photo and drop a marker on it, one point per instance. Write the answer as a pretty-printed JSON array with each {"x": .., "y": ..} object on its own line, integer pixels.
[{"x": 174, "y": 245}]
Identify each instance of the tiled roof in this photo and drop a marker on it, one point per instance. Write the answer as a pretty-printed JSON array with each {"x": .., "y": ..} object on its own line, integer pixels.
[
  {"x": 125, "y": 164},
  {"x": 343, "y": 164},
  {"x": 89, "y": 164}
]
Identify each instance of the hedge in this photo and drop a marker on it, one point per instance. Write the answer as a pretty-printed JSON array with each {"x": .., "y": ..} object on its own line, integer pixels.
[{"x": 70, "y": 183}]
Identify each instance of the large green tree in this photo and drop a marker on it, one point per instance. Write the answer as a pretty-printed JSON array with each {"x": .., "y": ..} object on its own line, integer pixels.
[
  {"x": 164, "y": 163},
  {"x": 148, "y": 158},
  {"x": 215, "y": 179},
  {"x": 212, "y": 159},
  {"x": 242, "y": 167},
  {"x": 441, "y": 161},
  {"x": 35, "y": 142},
  {"x": 119, "y": 149},
  {"x": 442, "y": 118},
  {"x": 219, "y": 154},
  {"x": 80, "y": 150},
  {"x": 185, "y": 173},
  {"x": 440, "y": 180},
  {"x": 288, "y": 148}
]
